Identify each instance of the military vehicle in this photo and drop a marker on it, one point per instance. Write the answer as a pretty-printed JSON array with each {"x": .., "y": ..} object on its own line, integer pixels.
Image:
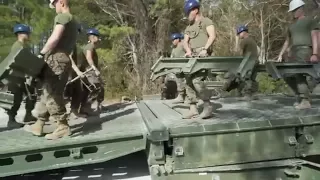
[{"x": 266, "y": 139}]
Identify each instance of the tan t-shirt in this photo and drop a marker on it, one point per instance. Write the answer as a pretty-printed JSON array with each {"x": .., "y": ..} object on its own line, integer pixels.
[
  {"x": 197, "y": 32},
  {"x": 249, "y": 45},
  {"x": 178, "y": 51},
  {"x": 90, "y": 47}
]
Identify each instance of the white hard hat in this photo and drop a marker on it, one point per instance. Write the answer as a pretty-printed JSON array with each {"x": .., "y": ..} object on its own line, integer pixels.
[
  {"x": 51, "y": 4},
  {"x": 294, "y": 4}
]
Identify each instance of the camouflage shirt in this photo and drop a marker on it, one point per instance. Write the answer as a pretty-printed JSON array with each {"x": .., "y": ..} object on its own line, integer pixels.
[{"x": 68, "y": 39}]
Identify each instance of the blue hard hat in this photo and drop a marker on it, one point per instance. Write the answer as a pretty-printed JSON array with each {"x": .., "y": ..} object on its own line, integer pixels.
[
  {"x": 241, "y": 29},
  {"x": 21, "y": 28},
  {"x": 93, "y": 31},
  {"x": 176, "y": 36},
  {"x": 189, "y": 5}
]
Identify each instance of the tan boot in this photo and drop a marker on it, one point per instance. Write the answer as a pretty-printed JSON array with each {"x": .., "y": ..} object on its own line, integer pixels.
[
  {"x": 207, "y": 110},
  {"x": 62, "y": 130},
  {"x": 193, "y": 112},
  {"x": 36, "y": 128},
  {"x": 305, "y": 104},
  {"x": 178, "y": 100}
]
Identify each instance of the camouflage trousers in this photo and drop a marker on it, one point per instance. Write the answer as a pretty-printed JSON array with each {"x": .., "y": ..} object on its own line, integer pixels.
[
  {"x": 196, "y": 88},
  {"x": 20, "y": 89},
  {"x": 249, "y": 85},
  {"x": 55, "y": 77},
  {"x": 181, "y": 85},
  {"x": 298, "y": 83}
]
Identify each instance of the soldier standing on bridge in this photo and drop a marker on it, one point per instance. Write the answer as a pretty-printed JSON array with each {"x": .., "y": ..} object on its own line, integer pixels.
[
  {"x": 89, "y": 60},
  {"x": 178, "y": 51},
  {"x": 302, "y": 36},
  {"x": 199, "y": 36},
  {"x": 21, "y": 86},
  {"x": 248, "y": 45},
  {"x": 56, "y": 53}
]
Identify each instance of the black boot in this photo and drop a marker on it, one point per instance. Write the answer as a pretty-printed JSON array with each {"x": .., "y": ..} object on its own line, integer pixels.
[
  {"x": 29, "y": 118},
  {"x": 13, "y": 124}
]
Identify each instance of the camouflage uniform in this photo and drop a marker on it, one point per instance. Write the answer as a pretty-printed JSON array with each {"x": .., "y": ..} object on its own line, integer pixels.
[
  {"x": 249, "y": 85},
  {"x": 179, "y": 51},
  {"x": 195, "y": 85},
  {"x": 20, "y": 87},
  {"x": 97, "y": 95},
  {"x": 301, "y": 51},
  {"x": 55, "y": 77}
]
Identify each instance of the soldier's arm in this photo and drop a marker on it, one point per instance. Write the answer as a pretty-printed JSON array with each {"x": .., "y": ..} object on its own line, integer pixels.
[
  {"x": 212, "y": 35},
  {"x": 314, "y": 36},
  {"x": 53, "y": 39},
  {"x": 285, "y": 46},
  {"x": 186, "y": 44},
  {"x": 315, "y": 27},
  {"x": 89, "y": 57}
]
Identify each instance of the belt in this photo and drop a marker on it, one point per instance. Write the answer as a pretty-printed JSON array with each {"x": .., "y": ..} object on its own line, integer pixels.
[
  {"x": 302, "y": 47},
  {"x": 58, "y": 51}
]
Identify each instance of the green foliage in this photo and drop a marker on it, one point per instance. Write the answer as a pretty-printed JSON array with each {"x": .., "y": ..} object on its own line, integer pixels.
[{"x": 267, "y": 85}]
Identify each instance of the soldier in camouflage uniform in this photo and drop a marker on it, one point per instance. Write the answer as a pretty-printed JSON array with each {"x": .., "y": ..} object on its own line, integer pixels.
[
  {"x": 56, "y": 53},
  {"x": 199, "y": 36},
  {"x": 248, "y": 45},
  {"x": 89, "y": 59},
  {"x": 21, "y": 86},
  {"x": 302, "y": 37},
  {"x": 178, "y": 51}
]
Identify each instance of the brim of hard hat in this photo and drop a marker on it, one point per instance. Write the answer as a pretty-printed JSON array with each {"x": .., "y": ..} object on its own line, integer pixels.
[{"x": 290, "y": 10}]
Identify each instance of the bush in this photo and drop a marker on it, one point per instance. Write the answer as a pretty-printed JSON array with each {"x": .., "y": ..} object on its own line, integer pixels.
[{"x": 268, "y": 85}]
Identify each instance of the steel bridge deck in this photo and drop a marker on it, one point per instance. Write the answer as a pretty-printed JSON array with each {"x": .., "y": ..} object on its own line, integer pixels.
[
  {"x": 268, "y": 111},
  {"x": 116, "y": 133}
]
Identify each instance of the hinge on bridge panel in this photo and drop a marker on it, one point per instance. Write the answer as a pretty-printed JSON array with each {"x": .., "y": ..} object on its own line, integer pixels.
[
  {"x": 309, "y": 138},
  {"x": 292, "y": 141},
  {"x": 76, "y": 153},
  {"x": 178, "y": 151}
]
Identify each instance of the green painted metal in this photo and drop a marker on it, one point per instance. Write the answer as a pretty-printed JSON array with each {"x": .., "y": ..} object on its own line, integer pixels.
[
  {"x": 19, "y": 64},
  {"x": 157, "y": 132},
  {"x": 239, "y": 66},
  {"x": 114, "y": 134},
  {"x": 280, "y": 170},
  {"x": 6, "y": 100},
  {"x": 261, "y": 139}
]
